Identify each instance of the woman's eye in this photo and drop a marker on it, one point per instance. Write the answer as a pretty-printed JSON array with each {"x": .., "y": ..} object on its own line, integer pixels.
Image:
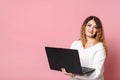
[{"x": 89, "y": 25}]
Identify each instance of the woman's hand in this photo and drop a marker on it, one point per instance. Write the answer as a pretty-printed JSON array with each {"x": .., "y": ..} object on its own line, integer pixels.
[{"x": 66, "y": 73}]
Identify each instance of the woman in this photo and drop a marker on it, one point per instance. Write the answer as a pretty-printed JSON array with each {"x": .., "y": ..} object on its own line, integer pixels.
[{"x": 92, "y": 49}]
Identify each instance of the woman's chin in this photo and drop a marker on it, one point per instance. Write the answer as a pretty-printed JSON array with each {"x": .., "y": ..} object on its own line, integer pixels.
[{"x": 90, "y": 36}]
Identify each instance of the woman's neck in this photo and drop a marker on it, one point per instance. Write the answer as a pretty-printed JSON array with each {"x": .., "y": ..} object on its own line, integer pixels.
[{"x": 90, "y": 42}]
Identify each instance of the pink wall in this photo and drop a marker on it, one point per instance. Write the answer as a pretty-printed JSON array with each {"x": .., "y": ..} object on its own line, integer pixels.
[{"x": 26, "y": 26}]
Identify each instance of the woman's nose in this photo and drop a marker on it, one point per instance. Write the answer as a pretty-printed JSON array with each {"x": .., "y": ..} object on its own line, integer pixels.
[{"x": 91, "y": 28}]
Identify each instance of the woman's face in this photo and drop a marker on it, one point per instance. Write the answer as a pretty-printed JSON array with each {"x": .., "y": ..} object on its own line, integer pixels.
[{"x": 91, "y": 29}]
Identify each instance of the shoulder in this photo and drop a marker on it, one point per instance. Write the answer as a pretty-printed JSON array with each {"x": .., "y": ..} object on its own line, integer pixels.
[
  {"x": 100, "y": 50},
  {"x": 76, "y": 44},
  {"x": 99, "y": 45}
]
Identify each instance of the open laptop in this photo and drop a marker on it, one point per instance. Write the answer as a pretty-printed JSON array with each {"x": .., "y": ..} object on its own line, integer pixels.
[{"x": 66, "y": 58}]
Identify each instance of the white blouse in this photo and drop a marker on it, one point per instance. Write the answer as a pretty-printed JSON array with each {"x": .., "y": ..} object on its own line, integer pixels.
[{"x": 93, "y": 57}]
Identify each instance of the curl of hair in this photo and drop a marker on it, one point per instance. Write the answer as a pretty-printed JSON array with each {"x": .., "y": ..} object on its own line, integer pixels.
[{"x": 99, "y": 36}]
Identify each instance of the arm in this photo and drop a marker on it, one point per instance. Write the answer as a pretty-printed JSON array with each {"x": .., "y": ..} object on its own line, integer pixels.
[{"x": 98, "y": 64}]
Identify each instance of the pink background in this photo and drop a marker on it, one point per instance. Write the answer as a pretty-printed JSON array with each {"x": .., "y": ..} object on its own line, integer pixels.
[{"x": 27, "y": 26}]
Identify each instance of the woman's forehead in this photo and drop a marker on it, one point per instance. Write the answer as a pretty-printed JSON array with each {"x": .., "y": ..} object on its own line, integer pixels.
[{"x": 92, "y": 22}]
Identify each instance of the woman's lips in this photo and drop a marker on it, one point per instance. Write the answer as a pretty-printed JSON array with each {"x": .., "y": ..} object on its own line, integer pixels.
[{"x": 91, "y": 32}]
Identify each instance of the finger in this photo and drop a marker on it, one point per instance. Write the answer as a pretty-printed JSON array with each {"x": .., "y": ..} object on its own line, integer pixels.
[
  {"x": 73, "y": 75},
  {"x": 63, "y": 69}
]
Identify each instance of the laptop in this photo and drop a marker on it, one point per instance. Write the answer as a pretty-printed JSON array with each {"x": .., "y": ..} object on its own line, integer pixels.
[{"x": 66, "y": 58}]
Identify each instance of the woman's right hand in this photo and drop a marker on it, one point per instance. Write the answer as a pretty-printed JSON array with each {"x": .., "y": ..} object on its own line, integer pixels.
[{"x": 66, "y": 73}]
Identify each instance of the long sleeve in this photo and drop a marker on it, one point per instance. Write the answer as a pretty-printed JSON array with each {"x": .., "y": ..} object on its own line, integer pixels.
[
  {"x": 93, "y": 57},
  {"x": 98, "y": 64}
]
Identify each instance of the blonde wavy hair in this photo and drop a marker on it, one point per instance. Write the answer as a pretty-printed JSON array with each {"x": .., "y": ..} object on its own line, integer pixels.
[{"x": 99, "y": 36}]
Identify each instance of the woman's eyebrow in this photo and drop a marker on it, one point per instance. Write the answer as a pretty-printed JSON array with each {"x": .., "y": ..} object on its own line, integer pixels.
[{"x": 89, "y": 23}]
